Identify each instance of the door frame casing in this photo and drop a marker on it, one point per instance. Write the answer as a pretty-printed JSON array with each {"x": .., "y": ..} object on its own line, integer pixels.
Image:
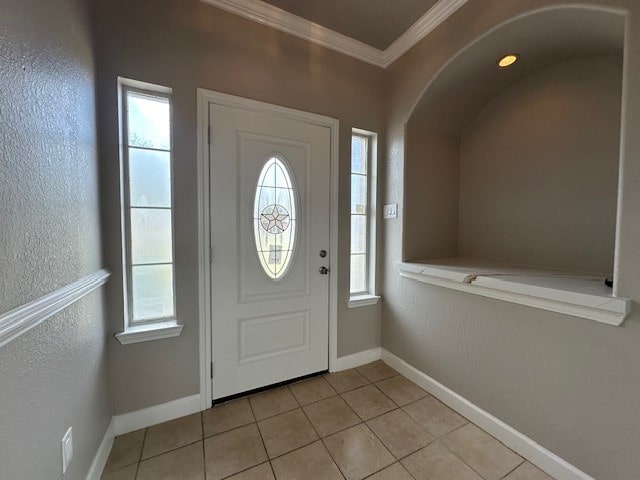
[{"x": 205, "y": 319}]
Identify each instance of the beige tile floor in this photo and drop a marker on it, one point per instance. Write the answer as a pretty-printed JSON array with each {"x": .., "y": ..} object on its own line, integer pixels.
[{"x": 369, "y": 422}]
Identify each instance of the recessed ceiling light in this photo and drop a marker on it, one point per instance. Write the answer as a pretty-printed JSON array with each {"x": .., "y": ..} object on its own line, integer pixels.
[{"x": 508, "y": 60}]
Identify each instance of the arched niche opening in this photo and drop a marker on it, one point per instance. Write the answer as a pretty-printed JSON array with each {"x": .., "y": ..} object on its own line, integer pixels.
[{"x": 519, "y": 166}]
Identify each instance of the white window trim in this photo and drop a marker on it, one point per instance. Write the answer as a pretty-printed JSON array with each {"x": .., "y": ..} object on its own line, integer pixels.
[
  {"x": 363, "y": 300},
  {"x": 149, "y": 331},
  {"x": 165, "y": 327},
  {"x": 370, "y": 297}
]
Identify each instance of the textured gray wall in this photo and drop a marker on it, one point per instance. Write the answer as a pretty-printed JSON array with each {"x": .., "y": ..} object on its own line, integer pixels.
[
  {"x": 431, "y": 194},
  {"x": 568, "y": 383},
  {"x": 539, "y": 170},
  {"x": 56, "y": 375},
  {"x": 185, "y": 45}
]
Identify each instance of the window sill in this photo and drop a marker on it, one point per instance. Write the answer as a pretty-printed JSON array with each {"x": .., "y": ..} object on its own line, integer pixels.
[
  {"x": 362, "y": 300},
  {"x": 569, "y": 293},
  {"x": 146, "y": 333}
]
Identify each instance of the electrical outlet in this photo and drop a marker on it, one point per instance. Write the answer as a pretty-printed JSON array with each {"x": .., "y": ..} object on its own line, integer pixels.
[
  {"x": 67, "y": 449},
  {"x": 390, "y": 211}
]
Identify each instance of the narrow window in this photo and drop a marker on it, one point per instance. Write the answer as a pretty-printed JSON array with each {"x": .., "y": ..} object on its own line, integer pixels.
[
  {"x": 363, "y": 145},
  {"x": 147, "y": 204}
]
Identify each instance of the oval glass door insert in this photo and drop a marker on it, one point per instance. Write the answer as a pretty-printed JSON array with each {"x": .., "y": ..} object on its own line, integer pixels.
[{"x": 275, "y": 218}]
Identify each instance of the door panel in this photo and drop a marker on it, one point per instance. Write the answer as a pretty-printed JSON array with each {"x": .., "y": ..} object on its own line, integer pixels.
[
  {"x": 272, "y": 336},
  {"x": 268, "y": 327}
]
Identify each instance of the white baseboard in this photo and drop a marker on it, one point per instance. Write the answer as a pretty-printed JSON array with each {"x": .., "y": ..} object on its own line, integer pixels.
[
  {"x": 518, "y": 442},
  {"x": 129, "y": 422},
  {"x": 100, "y": 458},
  {"x": 357, "y": 359}
]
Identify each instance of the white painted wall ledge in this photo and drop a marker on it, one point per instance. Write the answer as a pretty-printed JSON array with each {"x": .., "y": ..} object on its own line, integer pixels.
[
  {"x": 22, "y": 319},
  {"x": 578, "y": 295}
]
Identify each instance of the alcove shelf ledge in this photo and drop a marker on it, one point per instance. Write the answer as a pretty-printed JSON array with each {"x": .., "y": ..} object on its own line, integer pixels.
[{"x": 576, "y": 294}]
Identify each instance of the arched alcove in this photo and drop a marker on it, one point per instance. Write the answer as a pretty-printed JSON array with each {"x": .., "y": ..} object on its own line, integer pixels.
[
  {"x": 495, "y": 156},
  {"x": 519, "y": 166}
]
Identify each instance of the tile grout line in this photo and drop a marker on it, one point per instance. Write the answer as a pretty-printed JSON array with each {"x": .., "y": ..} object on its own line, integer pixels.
[
  {"x": 361, "y": 421},
  {"x": 255, "y": 421},
  {"x": 455, "y": 454},
  {"x": 264, "y": 446},
  {"x": 272, "y": 469},
  {"x": 314, "y": 401},
  {"x": 376, "y": 416},
  {"x": 349, "y": 389},
  {"x": 397, "y": 460},
  {"x": 320, "y": 439},
  {"x": 247, "y": 469},
  {"x": 173, "y": 450},
  {"x": 299, "y": 407},
  {"x": 435, "y": 439},
  {"x": 144, "y": 440},
  {"x": 295, "y": 449},
  {"x": 513, "y": 470},
  {"x": 389, "y": 466},
  {"x": 469, "y": 422},
  {"x": 441, "y": 437},
  {"x": 261, "y": 439}
]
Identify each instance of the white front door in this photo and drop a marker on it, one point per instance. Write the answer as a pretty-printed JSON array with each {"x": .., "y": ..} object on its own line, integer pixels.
[{"x": 270, "y": 193}]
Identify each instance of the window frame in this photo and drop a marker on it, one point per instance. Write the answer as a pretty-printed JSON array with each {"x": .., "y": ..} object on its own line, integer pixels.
[
  {"x": 369, "y": 295},
  {"x": 161, "y": 327}
]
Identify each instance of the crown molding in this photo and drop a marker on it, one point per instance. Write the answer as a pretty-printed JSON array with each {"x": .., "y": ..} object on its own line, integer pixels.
[
  {"x": 287, "y": 22},
  {"x": 284, "y": 21},
  {"x": 426, "y": 24},
  {"x": 22, "y": 319}
]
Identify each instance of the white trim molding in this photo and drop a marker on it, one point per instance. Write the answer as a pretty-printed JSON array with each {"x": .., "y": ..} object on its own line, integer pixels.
[
  {"x": 22, "y": 319},
  {"x": 518, "y": 442},
  {"x": 362, "y": 300},
  {"x": 357, "y": 359},
  {"x": 423, "y": 27},
  {"x": 132, "y": 421},
  {"x": 274, "y": 17},
  {"x": 152, "y": 331},
  {"x": 206, "y": 97},
  {"x": 580, "y": 302},
  {"x": 102, "y": 454}
]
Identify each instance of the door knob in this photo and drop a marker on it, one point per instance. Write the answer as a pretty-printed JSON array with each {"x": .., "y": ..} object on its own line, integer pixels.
[{"x": 324, "y": 270}]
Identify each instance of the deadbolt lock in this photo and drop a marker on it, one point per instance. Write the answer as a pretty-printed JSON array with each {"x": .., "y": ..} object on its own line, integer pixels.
[{"x": 323, "y": 253}]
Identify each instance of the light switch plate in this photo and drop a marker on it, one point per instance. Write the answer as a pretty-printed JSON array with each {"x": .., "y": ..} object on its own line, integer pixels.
[
  {"x": 390, "y": 210},
  {"x": 67, "y": 449}
]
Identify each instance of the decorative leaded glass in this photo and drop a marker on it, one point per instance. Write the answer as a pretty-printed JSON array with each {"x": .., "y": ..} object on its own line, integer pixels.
[{"x": 274, "y": 218}]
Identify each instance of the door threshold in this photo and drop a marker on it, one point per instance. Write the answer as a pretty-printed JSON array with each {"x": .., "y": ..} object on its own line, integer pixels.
[{"x": 218, "y": 401}]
